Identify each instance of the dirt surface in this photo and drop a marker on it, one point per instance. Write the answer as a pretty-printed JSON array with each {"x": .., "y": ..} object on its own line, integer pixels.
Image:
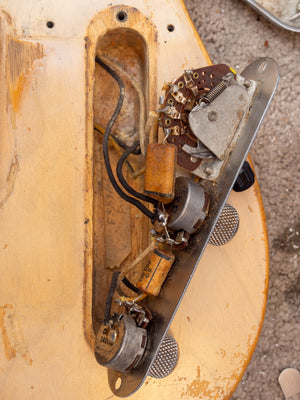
[{"x": 235, "y": 34}]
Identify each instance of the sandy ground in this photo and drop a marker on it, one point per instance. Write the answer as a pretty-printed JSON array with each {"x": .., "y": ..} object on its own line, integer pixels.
[{"x": 235, "y": 34}]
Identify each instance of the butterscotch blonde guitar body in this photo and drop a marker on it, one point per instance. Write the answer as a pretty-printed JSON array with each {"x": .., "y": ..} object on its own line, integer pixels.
[{"x": 63, "y": 229}]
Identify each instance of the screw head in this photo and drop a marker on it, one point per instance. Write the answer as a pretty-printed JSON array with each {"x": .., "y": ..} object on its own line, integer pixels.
[{"x": 212, "y": 116}]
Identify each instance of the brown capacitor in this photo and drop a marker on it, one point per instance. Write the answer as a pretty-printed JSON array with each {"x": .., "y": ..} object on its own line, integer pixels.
[
  {"x": 160, "y": 171},
  {"x": 155, "y": 272}
]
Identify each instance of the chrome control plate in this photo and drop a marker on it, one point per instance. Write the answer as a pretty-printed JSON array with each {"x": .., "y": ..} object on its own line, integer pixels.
[{"x": 164, "y": 306}]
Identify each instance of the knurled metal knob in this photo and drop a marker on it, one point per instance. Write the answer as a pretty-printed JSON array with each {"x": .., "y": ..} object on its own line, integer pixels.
[
  {"x": 166, "y": 359},
  {"x": 226, "y": 226}
]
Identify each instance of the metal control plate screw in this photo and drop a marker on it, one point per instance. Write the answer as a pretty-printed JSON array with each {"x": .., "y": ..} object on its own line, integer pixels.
[{"x": 212, "y": 116}]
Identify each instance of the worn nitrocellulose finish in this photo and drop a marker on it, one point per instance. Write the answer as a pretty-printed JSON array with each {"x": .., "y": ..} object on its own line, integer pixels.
[
  {"x": 235, "y": 34},
  {"x": 46, "y": 204}
]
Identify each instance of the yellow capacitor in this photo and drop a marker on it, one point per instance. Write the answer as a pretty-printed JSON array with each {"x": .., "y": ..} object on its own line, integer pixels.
[
  {"x": 155, "y": 272},
  {"x": 160, "y": 171}
]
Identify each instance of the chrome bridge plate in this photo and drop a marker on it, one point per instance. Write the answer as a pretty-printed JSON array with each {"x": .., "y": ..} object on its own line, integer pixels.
[{"x": 164, "y": 306}]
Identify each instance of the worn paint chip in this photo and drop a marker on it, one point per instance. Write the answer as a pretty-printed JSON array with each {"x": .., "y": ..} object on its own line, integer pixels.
[
  {"x": 12, "y": 335},
  {"x": 20, "y": 58}
]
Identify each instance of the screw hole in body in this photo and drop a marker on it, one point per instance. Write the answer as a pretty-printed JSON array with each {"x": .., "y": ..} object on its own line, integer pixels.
[
  {"x": 121, "y": 16},
  {"x": 50, "y": 24}
]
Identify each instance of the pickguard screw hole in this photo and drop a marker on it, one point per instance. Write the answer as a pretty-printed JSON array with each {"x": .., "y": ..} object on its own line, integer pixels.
[{"x": 171, "y": 28}]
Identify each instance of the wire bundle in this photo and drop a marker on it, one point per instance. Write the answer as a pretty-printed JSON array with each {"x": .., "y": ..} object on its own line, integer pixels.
[{"x": 133, "y": 149}]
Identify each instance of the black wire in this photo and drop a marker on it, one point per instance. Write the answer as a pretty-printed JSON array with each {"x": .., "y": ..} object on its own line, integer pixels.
[
  {"x": 123, "y": 181},
  {"x": 127, "y": 162},
  {"x": 132, "y": 200},
  {"x": 131, "y": 286},
  {"x": 109, "y": 297},
  {"x": 124, "y": 145},
  {"x": 119, "y": 141}
]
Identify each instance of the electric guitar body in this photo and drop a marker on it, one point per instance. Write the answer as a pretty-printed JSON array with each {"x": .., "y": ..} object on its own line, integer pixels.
[{"x": 64, "y": 230}]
